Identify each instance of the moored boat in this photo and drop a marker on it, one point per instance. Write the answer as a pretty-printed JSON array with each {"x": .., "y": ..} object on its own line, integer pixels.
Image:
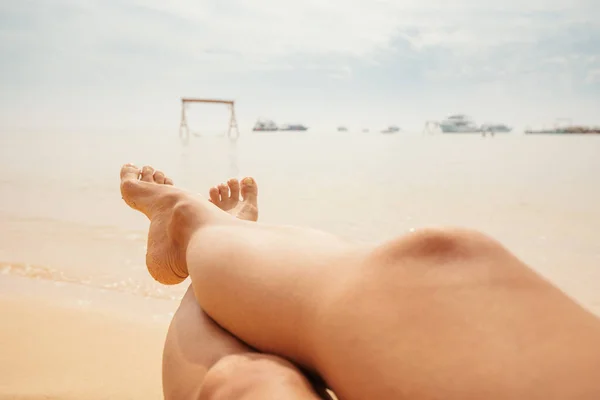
[
  {"x": 265, "y": 125},
  {"x": 459, "y": 123},
  {"x": 293, "y": 127},
  {"x": 391, "y": 129},
  {"x": 496, "y": 128}
]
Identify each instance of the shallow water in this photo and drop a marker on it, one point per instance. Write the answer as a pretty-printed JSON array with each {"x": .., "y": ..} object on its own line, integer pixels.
[{"x": 62, "y": 217}]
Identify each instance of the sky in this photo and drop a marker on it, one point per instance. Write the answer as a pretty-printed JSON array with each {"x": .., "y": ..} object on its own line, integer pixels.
[{"x": 82, "y": 64}]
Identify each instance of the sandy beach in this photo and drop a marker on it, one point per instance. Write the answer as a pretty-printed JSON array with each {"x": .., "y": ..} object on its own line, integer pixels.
[
  {"x": 82, "y": 319},
  {"x": 87, "y": 86},
  {"x": 71, "y": 334},
  {"x": 64, "y": 341}
]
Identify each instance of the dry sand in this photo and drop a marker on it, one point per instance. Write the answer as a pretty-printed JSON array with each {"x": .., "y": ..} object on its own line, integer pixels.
[{"x": 64, "y": 341}]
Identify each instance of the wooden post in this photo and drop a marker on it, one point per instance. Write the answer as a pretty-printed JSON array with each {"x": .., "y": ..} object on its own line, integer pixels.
[
  {"x": 183, "y": 124},
  {"x": 232, "y": 120},
  {"x": 233, "y": 123}
]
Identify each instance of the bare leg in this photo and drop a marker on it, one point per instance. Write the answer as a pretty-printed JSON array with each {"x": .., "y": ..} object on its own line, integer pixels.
[
  {"x": 201, "y": 360},
  {"x": 195, "y": 342},
  {"x": 197, "y": 353},
  {"x": 434, "y": 314}
]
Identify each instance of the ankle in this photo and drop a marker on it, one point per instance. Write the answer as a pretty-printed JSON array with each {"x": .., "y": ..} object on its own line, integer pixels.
[{"x": 185, "y": 221}]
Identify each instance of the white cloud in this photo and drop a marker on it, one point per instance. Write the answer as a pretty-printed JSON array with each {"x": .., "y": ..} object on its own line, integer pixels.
[
  {"x": 265, "y": 31},
  {"x": 228, "y": 46},
  {"x": 264, "y": 34},
  {"x": 273, "y": 28},
  {"x": 593, "y": 76}
]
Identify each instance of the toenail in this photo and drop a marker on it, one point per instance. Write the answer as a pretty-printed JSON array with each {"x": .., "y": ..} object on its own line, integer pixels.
[{"x": 248, "y": 181}]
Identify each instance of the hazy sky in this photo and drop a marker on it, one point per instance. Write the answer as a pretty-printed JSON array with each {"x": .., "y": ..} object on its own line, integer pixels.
[{"x": 108, "y": 63}]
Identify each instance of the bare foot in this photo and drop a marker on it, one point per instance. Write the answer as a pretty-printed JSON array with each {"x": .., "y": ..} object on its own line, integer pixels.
[
  {"x": 227, "y": 198},
  {"x": 174, "y": 216}
]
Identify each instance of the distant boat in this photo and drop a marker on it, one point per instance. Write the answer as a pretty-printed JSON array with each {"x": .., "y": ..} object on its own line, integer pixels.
[
  {"x": 265, "y": 125},
  {"x": 293, "y": 127},
  {"x": 496, "y": 128},
  {"x": 342, "y": 129},
  {"x": 568, "y": 130},
  {"x": 459, "y": 123},
  {"x": 391, "y": 129},
  {"x": 545, "y": 131}
]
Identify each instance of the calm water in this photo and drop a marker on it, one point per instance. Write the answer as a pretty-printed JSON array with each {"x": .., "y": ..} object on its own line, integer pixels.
[{"x": 62, "y": 217}]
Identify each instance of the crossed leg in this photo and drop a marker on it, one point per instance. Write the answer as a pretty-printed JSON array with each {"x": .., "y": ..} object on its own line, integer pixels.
[
  {"x": 203, "y": 361},
  {"x": 435, "y": 314}
]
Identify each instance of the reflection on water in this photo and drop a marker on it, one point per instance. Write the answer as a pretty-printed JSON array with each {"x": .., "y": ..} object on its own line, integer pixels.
[{"x": 234, "y": 169}]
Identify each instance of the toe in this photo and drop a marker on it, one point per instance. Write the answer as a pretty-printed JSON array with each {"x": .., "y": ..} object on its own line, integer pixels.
[
  {"x": 129, "y": 172},
  {"x": 234, "y": 189},
  {"x": 168, "y": 181},
  {"x": 130, "y": 185},
  {"x": 148, "y": 174},
  {"x": 159, "y": 177},
  {"x": 224, "y": 191},
  {"x": 249, "y": 190},
  {"x": 214, "y": 195}
]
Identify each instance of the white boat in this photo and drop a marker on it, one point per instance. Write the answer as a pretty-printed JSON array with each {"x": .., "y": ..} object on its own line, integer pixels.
[
  {"x": 265, "y": 125},
  {"x": 293, "y": 127},
  {"x": 459, "y": 123},
  {"x": 391, "y": 129},
  {"x": 496, "y": 128}
]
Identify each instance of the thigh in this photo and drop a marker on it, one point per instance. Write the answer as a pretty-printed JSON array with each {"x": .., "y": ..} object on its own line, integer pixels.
[
  {"x": 193, "y": 345},
  {"x": 452, "y": 314}
]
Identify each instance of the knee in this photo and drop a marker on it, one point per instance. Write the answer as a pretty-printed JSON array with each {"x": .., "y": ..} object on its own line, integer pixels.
[
  {"x": 442, "y": 244},
  {"x": 225, "y": 379},
  {"x": 235, "y": 376}
]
